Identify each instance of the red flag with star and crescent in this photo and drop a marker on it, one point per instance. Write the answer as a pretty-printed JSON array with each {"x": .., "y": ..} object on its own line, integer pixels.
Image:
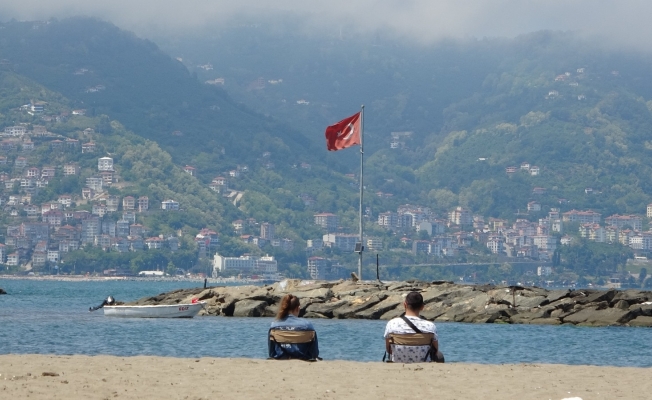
[{"x": 343, "y": 134}]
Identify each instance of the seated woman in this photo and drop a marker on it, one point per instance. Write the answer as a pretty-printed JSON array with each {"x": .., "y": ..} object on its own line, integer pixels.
[
  {"x": 410, "y": 324},
  {"x": 287, "y": 322}
]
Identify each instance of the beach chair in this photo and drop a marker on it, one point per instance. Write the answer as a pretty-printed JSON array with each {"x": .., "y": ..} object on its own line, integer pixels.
[
  {"x": 412, "y": 348},
  {"x": 292, "y": 345}
]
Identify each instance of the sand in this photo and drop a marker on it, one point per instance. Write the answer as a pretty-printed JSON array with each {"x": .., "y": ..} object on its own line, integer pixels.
[{"x": 109, "y": 377}]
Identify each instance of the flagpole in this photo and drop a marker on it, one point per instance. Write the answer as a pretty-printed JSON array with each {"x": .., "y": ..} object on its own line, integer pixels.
[{"x": 361, "y": 189}]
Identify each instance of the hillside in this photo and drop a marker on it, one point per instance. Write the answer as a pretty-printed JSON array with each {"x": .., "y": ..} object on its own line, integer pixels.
[
  {"x": 494, "y": 126},
  {"x": 461, "y": 101}
]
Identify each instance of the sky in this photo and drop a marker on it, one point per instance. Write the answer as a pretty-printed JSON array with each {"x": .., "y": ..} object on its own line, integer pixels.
[{"x": 620, "y": 22}]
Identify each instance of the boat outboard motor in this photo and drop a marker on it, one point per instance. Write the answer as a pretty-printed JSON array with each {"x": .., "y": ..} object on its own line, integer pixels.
[{"x": 109, "y": 301}]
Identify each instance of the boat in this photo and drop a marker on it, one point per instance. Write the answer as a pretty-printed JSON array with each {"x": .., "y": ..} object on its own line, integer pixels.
[{"x": 158, "y": 311}]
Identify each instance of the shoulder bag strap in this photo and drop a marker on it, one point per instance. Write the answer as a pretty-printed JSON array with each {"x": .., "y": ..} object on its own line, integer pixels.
[{"x": 410, "y": 324}]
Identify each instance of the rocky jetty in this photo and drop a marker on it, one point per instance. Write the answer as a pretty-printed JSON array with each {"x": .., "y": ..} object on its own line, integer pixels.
[{"x": 445, "y": 301}]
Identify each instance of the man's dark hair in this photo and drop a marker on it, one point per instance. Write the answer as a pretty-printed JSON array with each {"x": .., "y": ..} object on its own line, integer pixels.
[{"x": 414, "y": 301}]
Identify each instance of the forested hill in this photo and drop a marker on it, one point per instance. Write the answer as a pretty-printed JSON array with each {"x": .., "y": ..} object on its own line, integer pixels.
[
  {"x": 578, "y": 111},
  {"x": 151, "y": 93}
]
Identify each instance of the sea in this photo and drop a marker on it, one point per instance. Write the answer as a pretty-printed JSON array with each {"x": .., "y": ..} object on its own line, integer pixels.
[{"x": 52, "y": 317}]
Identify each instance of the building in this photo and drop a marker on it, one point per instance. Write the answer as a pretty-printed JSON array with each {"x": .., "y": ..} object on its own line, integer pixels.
[
  {"x": 240, "y": 264},
  {"x": 374, "y": 244},
  {"x": 388, "y": 219},
  {"x": 143, "y": 203},
  {"x": 318, "y": 267},
  {"x": 267, "y": 231},
  {"x": 105, "y": 164},
  {"x": 327, "y": 221},
  {"x": 88, "y": 147},
  {"x": 420, "y": 246},
  {"x": 15, "y": 130},
  {"x": 583, "y": 217},
  {"x": 95, "y": 183},
  {"x": 544, "y": 271},
  {"x": 534, "y": 206},
  {"x": 344, "y": 242},
  {"x": 622, "y": 221},
  {"x": 495, "y": 245},
  {"x": 266, "y": 265},
  {"x": 128, "y": 203},
  {"x": 154, "y": 243},
  {"x": 122, "y": 228},
  {"x": 192, "y": 171},
  {"x": 71, "y": 169},
  {"x": 460, "y": 216},
  {"x": 91, "y": 228},
  {"x": 169, "y": 205}
]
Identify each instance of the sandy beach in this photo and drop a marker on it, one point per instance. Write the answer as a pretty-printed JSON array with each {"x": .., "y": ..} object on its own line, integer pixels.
[{"x": 108, "y": 377}]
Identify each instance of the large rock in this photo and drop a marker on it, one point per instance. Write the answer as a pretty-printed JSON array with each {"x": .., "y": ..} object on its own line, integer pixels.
[
  {"x": 641, "y": 321},
  {"x": 319, "y": 294},
  {"x": 632, "y": 296},
  {"x": 591, "y": 316},
  {"x": 556, "y": 295},
  {"x": 597, "y": 297},
  {"x": 376, "y": 311},
  {"x": 529, "y": 302},
  {"x": 357, "y": 305},
  {"x": 325, "y": 309},
  {"x": 250, "y": 308},
  {"x": 2, "y": 291}
]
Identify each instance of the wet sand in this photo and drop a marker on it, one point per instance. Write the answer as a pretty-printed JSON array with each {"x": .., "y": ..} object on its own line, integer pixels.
[{"x": 109, "y": 377}]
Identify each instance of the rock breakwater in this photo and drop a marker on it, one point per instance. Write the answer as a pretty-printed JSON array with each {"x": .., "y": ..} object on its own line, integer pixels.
[{"x": 445, "y": 301}]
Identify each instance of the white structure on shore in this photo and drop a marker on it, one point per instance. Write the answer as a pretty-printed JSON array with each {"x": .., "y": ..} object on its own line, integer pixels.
[{"x": 244, "y": 264}]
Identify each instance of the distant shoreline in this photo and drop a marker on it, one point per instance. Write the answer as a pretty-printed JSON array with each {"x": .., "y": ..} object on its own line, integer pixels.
[{"x": 84, "y": 278}]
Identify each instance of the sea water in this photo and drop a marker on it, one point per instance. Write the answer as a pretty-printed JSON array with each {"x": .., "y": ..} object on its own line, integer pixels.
[{"x": 52, "y": 317}]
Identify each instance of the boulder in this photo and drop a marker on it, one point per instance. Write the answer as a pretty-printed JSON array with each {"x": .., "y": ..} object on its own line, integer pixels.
[
  {"x": 326, "y": 308},
  {"x": 527, "y": 316},
  {"x": 641, "y": 321},
  {"x": 2, "y": 291},
  {"x": 319, "y": 294},
  {"x": 250, "y": 308},
  {"x": 376, "y": 311},
  {"x": 642, "y": 309},
  {"x": 529, "y": 302},
  {"x": 357, "y": 305},
  {"x": 314, "y": 315},
  {"x": 597, "y": 297},
  {"x": 632, "y": 296},
  {"x": 591, "y": 316},
  {"x": 556, "y": 295}
]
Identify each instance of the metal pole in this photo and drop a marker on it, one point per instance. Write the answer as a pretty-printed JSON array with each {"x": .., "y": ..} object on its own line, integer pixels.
[{"x": 361, "y": 191}]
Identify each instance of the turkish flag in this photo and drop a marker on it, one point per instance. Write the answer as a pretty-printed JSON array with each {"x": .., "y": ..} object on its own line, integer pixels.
[{"x": 343, "y": 134}]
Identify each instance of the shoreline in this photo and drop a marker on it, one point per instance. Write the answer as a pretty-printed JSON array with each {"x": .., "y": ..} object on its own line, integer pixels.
[{"x": 145, "y": 377}]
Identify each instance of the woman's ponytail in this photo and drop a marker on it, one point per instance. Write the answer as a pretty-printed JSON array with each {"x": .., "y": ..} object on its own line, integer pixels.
[{"x": 288, "y": 304}]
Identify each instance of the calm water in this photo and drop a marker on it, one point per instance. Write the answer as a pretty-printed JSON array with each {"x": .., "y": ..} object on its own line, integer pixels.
[{"x": 49, "y": 317}]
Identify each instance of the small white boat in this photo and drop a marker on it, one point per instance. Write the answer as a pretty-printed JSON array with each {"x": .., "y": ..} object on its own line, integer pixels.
[{"x": 159, "y": 311}]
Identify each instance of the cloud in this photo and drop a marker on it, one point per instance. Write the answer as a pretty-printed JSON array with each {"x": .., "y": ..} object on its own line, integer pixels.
[{"x": 620, "y": 21}]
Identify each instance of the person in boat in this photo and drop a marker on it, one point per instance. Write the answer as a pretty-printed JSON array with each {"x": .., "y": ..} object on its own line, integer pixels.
[
  {"x": 287, "y": 320},
  {"x": 410, "y": 323}
]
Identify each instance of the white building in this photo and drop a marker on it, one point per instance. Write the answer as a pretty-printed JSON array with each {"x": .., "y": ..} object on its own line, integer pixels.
[
  {"x": 544, "y": 271},
  {"x": 105, "y": 164},
  {"x": 235, "y": 264},
  {"x": 170, "y": 205}
]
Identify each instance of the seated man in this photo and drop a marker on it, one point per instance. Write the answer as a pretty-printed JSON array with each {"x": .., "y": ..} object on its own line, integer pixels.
[
  {"x": 282, "y": 343},
  {"x": 411, "y": 323}
]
